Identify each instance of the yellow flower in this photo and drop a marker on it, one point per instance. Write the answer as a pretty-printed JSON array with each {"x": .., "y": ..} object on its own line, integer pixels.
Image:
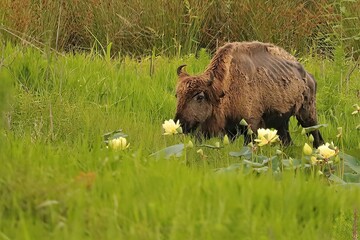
[
  {"x": 119, "y": 143},
  {"x": 266, "y": 136},
  {"x": 170, "y": 127},
  {"x": 307, "y": 150},
  {"x": 325, "y": 151}
]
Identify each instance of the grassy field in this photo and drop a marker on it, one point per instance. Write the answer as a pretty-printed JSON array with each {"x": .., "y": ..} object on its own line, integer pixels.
[
  {"x": 139, "y": 27},
  {"x": 59, "y": 181}
]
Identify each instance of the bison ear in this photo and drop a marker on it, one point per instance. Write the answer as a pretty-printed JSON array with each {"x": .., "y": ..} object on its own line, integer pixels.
[
  {"x": 215, "y": 87},
  {"x": 211, "y": 80},
  {"x": 181, "y": 71}
]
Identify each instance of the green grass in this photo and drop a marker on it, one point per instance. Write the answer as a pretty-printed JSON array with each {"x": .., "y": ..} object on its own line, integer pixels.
[
  {"x": 59, "y": 181},
  {"x": 139, "y": 27}
]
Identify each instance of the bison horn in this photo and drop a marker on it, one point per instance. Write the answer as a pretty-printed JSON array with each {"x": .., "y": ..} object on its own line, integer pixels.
[
  {"x": 180, "y": 70},
  {"x": 211, "y": 80}
]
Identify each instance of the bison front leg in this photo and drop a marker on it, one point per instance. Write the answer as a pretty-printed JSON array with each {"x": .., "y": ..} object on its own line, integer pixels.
[
  {"x": 307, "y": 118},
  {"x": 284, "y": 134},
  {"x": 279, "y": 121}
]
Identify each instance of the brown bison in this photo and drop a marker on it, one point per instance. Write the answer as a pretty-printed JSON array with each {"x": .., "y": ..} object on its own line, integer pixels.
[{"x": 255, "y": 81}]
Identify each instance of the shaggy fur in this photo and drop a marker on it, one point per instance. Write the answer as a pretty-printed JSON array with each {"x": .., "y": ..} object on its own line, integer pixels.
[{"x": 255, "y": 81}]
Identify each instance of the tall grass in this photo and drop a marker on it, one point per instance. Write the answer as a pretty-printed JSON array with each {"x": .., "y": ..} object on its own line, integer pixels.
[
  {"x": 58, "y": 180},
  {"x": 182, "y": 26}
]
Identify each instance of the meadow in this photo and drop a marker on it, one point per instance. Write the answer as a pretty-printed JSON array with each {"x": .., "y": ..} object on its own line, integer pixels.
[
  {"x": 59, "y": 179},
  {"x": 139, "y": 27}
]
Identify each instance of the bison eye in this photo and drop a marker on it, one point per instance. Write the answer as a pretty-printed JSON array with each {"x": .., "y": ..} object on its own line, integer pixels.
[{"x": 200, "y": 97}]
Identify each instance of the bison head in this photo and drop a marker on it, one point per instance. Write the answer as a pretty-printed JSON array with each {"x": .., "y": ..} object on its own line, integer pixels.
[{"x": 197, "y": 96}]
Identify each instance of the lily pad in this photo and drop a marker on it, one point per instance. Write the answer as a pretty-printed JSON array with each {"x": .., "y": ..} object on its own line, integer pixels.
[
  {"x": 261, "y": 170},
  {"x": 174, "y": 150},
  {"x": 253, "y": 164},
  {"x": 113, "y": 135},
  {"x": 232, "y": 168},
  {"x": 336, "y": 179},
  {"x": 353, "y": 178},
  {"x": 244, "y": 152},
  {"x": 351, "y": 162},
  {"x": 210, "y": 146},
  {"x": 315, "y": 127}
]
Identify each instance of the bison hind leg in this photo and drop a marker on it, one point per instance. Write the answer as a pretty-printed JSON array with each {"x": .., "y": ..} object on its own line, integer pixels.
[{"x": 284, "y": 134}]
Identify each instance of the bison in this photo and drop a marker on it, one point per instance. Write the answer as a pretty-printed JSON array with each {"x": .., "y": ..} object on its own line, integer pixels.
[{"x": 258, "y": 82}]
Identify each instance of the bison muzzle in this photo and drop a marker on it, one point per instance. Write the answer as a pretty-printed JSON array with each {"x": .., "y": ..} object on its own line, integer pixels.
[{"x": 258, "y": 82}]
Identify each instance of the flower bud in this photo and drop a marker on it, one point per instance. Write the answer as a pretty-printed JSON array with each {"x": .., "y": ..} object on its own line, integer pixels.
[
  {"x": 307, "y": 150},
  {"x": 190, "y": 144},
  {"x": 311, "y": 138},
  {"x": 313, "y": 160},
  {"x": 118, "y": 143},
  {"x": 201, "y": 152},
  {"x": 243, "y": 122},
  {"x": 278, "y": 152},
  {"x": 250, "y": 131},
  {"x": 217, "y": 144},
  {"x": 226, "y": 140}
]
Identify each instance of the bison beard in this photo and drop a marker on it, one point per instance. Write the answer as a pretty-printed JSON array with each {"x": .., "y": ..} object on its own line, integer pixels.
[{"x": 258, "y": 82}]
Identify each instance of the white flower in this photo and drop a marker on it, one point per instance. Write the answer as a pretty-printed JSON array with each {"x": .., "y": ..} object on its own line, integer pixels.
[
  {"x": 325, "y": 151},
  {"x": 118, "y": 143},
  {"x": 266, "y": 136},
  {"x": 170, "y": 127}
]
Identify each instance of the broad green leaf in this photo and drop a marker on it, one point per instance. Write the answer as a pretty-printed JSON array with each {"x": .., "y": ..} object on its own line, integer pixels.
[
  {"x": 336, "y": 179},
  {"x": 210, "y": 146},
  {"x": 232, "y": 168},
  {"x": 262, "y": 169},
  {"x": 174, "y": 150},
  {"x": 312, "y": 128},
  {"x": 267, "y": 159},
  {"x": 353, "y": 178},
  {"x": 253, "y": 164},
  {"x": 113, "y": 135},
  {"x": 350, "y": 161},
  {"x": 244, "y": 152},
  {"x": 291, "y": 162}
]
